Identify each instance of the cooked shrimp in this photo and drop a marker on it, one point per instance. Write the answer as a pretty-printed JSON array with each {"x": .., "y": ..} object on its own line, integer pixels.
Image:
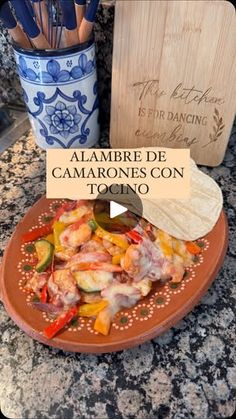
[
  {"x": 136, "y": 261},
  {"x": 180, "y": 249},
  {"x": 65, "y": 254},
  {"x": 96, "y": 266},
  {"x": 176, "y": 270},
  {"x": 92, "y": 246},
  {"x": 87, "y": 258},
  {"x": 146, "y": 259},
  {"x": 176, "y": 252},
  {"x": 121, "y": 295},
  {"x": 73, "y": 236},
  {"x": 112, "y": 248},
  {"x": 62, "y": 286},
  {"x": 83, "y": 208},
  {"x": 36, "y": 282}
]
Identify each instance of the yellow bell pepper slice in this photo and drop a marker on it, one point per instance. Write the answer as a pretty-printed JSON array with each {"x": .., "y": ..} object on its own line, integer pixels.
[
  {"x": 116, "y": 239},
  {"x": 89, "y": 310},
  {"x": 165, "y": 243},
  {"x": 103, "y": 321},
  {"x": 50, "y": 238},
  {"x": 117, "y": 258},
  {"x": 58, "y": 228}
]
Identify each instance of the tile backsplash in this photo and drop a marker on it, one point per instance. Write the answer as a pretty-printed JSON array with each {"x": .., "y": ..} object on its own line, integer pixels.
[{"x": 10, "y": 89}]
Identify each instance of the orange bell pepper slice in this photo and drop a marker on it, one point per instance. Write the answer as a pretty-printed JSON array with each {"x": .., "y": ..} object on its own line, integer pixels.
[
  {"x": 193, "y": 248},
  {"x": 103, "y": 321}
]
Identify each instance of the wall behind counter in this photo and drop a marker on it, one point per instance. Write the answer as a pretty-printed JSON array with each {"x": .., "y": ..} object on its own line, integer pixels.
[{"x": 10, "y": 89}]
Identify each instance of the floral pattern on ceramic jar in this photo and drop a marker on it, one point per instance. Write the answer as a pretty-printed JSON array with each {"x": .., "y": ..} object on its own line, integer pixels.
[{"x": 60, "y": 92}]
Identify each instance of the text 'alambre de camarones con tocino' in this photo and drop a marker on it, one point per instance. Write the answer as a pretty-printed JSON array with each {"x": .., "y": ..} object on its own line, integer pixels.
[
  {"x": 118, "y": 156},
  {"x": 161, "y": 172}
]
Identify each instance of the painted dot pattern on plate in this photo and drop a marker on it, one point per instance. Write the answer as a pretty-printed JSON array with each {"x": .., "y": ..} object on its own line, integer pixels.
[{"x": 123, "y": 320}]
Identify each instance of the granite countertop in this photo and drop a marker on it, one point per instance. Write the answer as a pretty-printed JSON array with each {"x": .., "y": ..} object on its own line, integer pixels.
[{"x": 189, "y": 372}]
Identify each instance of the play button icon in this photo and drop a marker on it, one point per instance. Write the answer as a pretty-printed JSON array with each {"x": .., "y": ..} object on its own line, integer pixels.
[{"x": 117, "y": 209}]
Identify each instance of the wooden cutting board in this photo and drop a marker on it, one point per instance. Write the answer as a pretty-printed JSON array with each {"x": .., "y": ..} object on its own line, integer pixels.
[{"x": 174, "y": 76}]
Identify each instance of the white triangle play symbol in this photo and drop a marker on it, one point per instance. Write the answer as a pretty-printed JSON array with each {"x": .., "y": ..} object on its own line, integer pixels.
[{"x": 116, "y": 209}]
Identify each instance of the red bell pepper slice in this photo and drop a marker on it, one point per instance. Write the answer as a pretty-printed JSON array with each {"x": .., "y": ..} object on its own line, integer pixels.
[
  {"x": 60, "y": 322},
  {"x": 44, "y": 294},
  {"x": 35, "y": 234},
  {"x": 135, "y": 236}
]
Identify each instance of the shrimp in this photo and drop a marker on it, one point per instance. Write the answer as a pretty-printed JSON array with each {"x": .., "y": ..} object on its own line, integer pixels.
[
  {"x": 136, "y": 261},
  {"x": 172, "y": 247},
  {"x": 36, "y": 282},
  {"x": 180, "y": 249},
  {"x": 121, "y": 295},
  {"x": 87, "y": 258},
  {"x": 146, "y": 259},
  {"x": 62, "y": 287},
  {"x": 176, "y": 252},
  {"x": 65, "y": 254},
  {"x": 97, "y": 266},
  {"x": 75, "y": 235},
  {"x": 112, "y": 248},
  {"x": 176, "y": 270},
  {"x": 83, "y": 208},
  {"x": 92, "y": 246}
]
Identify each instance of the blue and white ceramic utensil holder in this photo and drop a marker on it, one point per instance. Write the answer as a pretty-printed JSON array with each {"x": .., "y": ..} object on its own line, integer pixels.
[{"x": 60, "y": 91}]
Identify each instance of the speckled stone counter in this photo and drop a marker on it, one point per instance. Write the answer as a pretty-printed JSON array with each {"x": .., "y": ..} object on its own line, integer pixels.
[{"x": 189, "y": 372}]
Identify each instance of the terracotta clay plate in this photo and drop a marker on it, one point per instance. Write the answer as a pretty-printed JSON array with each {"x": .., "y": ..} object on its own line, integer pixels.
[{"x": 155, "y": 314}]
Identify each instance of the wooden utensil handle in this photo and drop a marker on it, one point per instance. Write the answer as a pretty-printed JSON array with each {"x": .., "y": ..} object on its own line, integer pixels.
[
  {"x": 85, "y": 30},
  {"x": 80, "y": 11},
  {"x": 19, "y": 37},
  {"x": 42, "y": 15},
  {"x": 71, "y": 37},
  {"x": 40, "y": 42}
]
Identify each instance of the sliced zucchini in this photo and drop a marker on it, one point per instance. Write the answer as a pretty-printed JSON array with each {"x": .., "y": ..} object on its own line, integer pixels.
[
  {"x": 93, "y": 281},
  {"x": 44, "y": 250}
]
